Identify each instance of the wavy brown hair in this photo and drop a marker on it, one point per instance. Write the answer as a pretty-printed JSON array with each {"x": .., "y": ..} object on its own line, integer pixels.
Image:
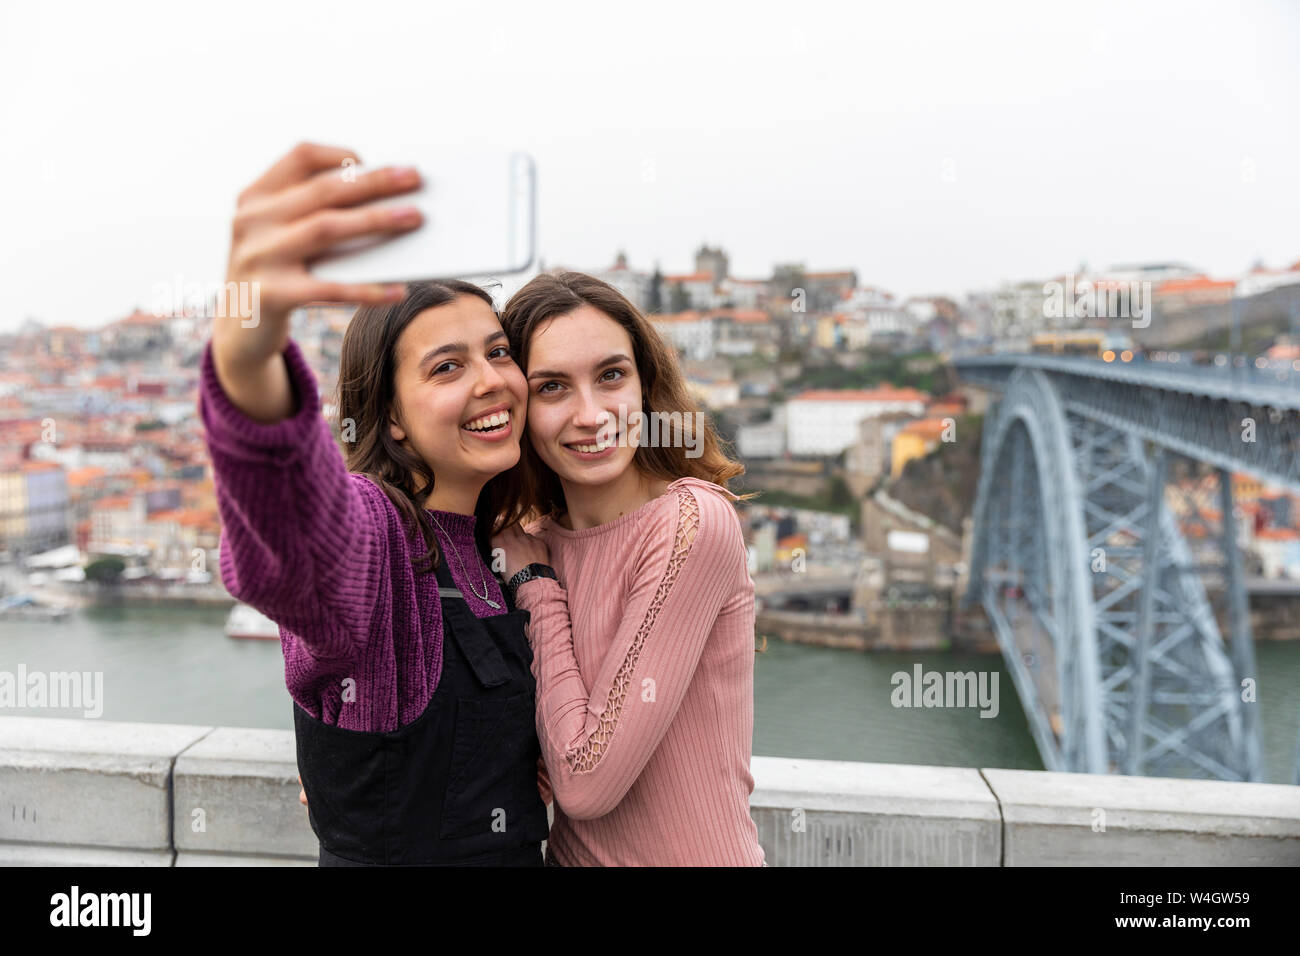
[
  {"x": 365, "y": 395},
  {"x": 663, "y": 386}
]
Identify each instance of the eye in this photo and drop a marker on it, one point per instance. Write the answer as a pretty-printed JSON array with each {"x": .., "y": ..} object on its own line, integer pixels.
[
  {"x": 544, "y": 388},
  {"x": 619, "y": 371},
  {"x": 503, "y": 350},
  {"x": 442, "y": 369}
]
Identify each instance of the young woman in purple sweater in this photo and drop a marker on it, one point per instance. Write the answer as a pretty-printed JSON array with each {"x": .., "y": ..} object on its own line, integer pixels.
[{"x": 412, "y": 691}]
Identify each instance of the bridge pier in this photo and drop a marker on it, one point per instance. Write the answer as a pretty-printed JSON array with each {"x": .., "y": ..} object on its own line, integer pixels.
[{"x": 1243, "y": 642}]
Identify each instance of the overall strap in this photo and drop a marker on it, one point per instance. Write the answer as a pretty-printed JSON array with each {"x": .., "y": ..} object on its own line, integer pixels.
[{"x": 476, "y": 645}]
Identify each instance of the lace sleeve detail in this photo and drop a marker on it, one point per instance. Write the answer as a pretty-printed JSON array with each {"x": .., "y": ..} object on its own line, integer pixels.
[{"x": 585, "y": 757}]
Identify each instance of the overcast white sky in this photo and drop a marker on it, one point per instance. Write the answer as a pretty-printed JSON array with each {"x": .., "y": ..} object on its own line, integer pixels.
[{"x": 934, "y": 147}]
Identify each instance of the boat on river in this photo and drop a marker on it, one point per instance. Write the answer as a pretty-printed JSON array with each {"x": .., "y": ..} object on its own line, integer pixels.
[
  {"x": 251, "y": 624},
  {"x": 25, "y": 607}
]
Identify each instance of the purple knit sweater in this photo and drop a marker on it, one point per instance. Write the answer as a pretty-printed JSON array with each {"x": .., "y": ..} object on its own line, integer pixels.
[{"x": 324, "y": 554}]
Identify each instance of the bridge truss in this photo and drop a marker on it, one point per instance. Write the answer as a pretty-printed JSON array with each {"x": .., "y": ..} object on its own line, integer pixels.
[{"x": 1099, "y": 604}]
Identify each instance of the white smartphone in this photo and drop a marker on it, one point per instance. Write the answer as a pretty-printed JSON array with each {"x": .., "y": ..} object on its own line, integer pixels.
[{"x": 479, "y": 211}]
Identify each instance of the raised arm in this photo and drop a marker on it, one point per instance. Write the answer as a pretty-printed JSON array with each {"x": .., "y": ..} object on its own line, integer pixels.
[
  {"x": 596, "y": 745},
  {"x": 299, "y": 533},
  {"x": 300, "y": 536}
]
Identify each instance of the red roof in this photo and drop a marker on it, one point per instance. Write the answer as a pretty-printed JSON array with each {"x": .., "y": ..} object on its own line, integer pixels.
[
  {"x": 930, "y": 428},
  {"x": 745, "y": 315},
  {"x": 883, "y": 393},
  {"x": 115, "y": 503},
  {"x": 946, "y": 408},
  {"x": 85, "y": 476},
  {"x": 1195, "y": 283}
]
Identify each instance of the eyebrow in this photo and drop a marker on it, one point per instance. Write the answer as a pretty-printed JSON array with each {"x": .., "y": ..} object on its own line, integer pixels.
[
  {"x": 611, "y": 360},
  {"x": 457, "y": 348}
]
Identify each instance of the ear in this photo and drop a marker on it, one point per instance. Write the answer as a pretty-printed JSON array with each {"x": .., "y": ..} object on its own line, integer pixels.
[{"x": 395, "y": 430}]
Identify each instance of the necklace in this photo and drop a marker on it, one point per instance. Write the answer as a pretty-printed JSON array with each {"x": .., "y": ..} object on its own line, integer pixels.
[{"x": 451, "y": 546}]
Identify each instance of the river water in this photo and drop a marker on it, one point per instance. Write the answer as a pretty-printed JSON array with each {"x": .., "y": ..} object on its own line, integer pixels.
[{"x": 175, "y": 665}]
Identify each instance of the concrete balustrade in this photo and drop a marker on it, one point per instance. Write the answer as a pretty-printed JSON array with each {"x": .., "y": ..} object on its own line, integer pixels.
[
  {"x": 1079, "y": 819},
  {"x": 236, "y": 801},
  {"x": 81, "y": 792},
  {"x": 86, "y": 792},
  {"x": 837, "y": 813}
]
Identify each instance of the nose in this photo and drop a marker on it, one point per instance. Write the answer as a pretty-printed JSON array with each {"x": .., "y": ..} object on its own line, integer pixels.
[
  {"x": 589, "y": 413},
  {"x": 490, "y": 379}
]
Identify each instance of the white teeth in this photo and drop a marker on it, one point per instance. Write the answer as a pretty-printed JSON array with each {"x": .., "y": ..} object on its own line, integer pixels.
[
  {"x": 489, "y": 421},
  {"x": 592, "y": 449}
]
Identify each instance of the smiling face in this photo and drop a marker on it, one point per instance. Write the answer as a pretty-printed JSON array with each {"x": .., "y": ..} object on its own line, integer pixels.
[
  {"x": 581, "y": 369},
  {"x": 459, "y": 398}
]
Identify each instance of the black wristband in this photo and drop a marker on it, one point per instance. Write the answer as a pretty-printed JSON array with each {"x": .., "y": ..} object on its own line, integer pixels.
[{"x": 527, "y": 574}]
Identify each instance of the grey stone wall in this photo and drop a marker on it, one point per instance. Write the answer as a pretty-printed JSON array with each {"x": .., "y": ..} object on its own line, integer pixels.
[{"x": 80, "y": 792}]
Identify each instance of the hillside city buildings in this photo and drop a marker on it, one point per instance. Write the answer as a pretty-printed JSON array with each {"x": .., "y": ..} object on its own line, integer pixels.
[{"x": 827, "y": 387}]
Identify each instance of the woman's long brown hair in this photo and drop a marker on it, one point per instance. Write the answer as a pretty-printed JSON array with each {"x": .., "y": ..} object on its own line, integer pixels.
[
  {"x": 366, "y": 391},
  {"x": 663, "y": 386}
]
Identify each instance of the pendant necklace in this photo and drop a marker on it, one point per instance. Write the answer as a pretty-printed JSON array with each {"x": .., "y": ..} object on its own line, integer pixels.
[{"x": 451, "y": 546}]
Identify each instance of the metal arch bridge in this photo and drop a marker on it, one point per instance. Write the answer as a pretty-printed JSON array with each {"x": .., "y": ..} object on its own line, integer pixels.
[{"x": 1098, "y": 601}]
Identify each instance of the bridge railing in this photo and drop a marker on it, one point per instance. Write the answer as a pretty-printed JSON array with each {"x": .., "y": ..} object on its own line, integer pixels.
[{"x": 1277, "y": 387}]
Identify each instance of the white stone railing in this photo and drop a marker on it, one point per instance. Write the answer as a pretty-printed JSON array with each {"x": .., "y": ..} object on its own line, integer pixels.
[{"x": 85, "y": 792}]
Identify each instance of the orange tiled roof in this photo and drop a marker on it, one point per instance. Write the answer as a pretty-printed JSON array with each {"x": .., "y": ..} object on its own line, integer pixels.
[
  {"x": 939, "y": 409},
  {"x": 81, "y": 477},
  {"x": 113, "y": 503},
  {"x": 930, "y": 428},
  {"x": 747, "y": 315},
  {"x": 1195, "y": 283},
  {"x": 882, "y": 393}
]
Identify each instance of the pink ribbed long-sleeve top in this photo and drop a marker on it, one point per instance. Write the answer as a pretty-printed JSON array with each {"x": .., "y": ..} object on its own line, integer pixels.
[{"x": 644, "y": 660}]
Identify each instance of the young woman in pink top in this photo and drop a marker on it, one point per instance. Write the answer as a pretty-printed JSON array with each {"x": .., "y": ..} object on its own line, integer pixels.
[{"x": 636, "y": 580}]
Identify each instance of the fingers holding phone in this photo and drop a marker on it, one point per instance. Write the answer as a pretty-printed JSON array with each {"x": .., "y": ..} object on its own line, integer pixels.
[{"x": 308, "y": 202}]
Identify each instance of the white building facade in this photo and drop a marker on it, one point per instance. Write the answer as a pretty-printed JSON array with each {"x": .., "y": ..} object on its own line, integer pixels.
[{"x": 826, "y": 422}]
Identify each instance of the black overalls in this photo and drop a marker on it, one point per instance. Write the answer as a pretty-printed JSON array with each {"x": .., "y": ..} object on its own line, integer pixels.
[{"x": 456, "y": 787}]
